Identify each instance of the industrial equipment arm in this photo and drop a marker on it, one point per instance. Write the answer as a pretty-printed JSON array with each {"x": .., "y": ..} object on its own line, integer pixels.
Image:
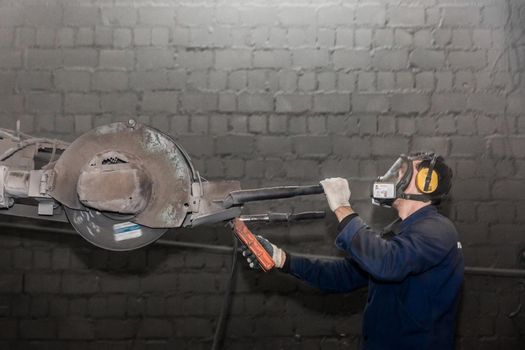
[{"x": 123, "y": 185}]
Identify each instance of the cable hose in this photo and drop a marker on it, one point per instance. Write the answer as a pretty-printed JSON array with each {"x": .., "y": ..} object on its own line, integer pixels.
[{"x": 219, "y": 331}]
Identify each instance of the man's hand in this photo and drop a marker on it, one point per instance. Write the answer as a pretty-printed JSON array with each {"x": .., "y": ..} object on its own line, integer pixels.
[
  {"x": 337, "y": 192},
  {"x": 278, "y": 255}
]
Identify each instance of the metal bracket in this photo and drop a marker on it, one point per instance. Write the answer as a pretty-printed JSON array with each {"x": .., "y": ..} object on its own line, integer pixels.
[
  {"x": 4, "y": 198},
  {"x": 46, "y": 207},
  {"x": 31, "y": 211}
]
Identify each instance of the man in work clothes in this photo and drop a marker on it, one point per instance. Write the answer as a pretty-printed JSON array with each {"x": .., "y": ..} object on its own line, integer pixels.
[{"x": 413, "y": 271}]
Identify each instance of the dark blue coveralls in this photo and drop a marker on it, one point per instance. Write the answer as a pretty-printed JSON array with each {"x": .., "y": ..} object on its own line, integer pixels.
[{"x": 413, "y": 279}]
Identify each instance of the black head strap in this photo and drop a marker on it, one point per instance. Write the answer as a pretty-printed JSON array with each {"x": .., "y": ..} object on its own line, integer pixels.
[
  {"x": 430, "y": 171},
  {"x": 416, "y": 197}
]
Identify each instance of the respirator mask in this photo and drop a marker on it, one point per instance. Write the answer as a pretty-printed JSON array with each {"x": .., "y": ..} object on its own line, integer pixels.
[{"x": 391, "y": 186}]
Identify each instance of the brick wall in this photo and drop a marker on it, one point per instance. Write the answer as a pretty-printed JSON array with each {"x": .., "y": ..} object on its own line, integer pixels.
[{"x": 266, "y": 92}]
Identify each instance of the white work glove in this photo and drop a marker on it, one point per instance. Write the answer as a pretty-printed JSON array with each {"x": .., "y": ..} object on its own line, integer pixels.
[
  {"x": 337, "y": 192},
  {"x": 278, "y": 255}
]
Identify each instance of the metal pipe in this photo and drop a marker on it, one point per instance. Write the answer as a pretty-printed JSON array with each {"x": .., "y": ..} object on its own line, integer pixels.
[
  {"x": 37, "y": 228},
  {"x": 162, "y": 242},
  {"x": 190, "y": 245},
  {"x": 470, "y": 270},
  {"x": 491, "y": 271}
]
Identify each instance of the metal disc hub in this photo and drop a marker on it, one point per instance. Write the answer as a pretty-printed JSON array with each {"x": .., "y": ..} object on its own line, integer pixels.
[{"x": 123, "y": 168}]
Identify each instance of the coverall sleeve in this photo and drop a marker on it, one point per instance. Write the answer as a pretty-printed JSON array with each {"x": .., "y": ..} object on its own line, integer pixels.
[
  {"x": 330, "y": 275},
  {"x": 392, "y": 260}
]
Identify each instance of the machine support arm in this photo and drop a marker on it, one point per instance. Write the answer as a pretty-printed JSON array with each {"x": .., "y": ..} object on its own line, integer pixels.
[{"x": 238, "y": 198}]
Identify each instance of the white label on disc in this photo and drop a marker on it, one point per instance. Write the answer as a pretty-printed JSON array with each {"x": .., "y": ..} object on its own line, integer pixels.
[{"x": 126, "y": 230}]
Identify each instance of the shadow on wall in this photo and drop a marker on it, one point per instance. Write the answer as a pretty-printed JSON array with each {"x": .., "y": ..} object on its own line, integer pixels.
[{"x": 486, "y": 311}]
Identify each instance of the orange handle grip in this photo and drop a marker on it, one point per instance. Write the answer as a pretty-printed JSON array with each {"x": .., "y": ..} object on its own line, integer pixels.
[{"x": 248, "y": 239}]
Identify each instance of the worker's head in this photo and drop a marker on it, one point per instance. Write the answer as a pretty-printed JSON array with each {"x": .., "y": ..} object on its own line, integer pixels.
[{"x": 422, "y": 177}]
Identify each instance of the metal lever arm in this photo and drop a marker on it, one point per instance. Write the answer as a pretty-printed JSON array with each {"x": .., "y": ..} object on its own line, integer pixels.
[
  {"x": 237, "y": 198},
  {"x": 283, "y": 217}
]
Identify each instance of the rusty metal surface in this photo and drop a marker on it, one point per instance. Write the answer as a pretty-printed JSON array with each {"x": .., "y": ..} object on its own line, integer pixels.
[
  {"x": 23, "y": 159},
  {"x": 17, "y": 183},
  {"x": 114, "y": 182},
  {"x": 209, "y": 208},
  {"x": 20, "y": 153},
  {"x": 216, "y": 191},
  {"x": 158, "y": 153}
]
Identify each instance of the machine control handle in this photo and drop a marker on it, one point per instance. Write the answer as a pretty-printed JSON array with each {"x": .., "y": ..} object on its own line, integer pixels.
[
  {"x": 249, "y": 240},
  {"x": 237, "y": 198},
  {"x": 283, "y": 217}
]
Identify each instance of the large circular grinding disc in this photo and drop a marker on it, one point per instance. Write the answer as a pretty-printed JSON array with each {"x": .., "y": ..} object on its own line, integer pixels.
[
  {"x": 167, "y": 163},
  {"x": 111, "y": 234}
]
